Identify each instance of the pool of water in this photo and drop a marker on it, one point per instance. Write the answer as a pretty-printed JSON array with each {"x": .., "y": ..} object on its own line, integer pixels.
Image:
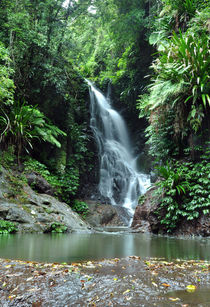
[{"x": 79, "y": 247}]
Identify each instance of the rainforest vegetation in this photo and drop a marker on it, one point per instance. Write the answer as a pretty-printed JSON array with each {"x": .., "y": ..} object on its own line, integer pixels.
[{"x": 155, "y": 55}]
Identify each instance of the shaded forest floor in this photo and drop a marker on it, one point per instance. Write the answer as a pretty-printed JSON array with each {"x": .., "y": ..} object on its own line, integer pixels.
[{"x": 111, "y": 282}]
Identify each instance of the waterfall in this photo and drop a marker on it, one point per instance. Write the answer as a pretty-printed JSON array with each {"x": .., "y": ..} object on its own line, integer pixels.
[{"x": 120, "y": 181}]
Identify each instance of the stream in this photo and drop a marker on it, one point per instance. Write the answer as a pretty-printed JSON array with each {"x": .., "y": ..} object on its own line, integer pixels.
[
  {"x": 96, "y": 246},
  {"x": 69, "y": 274}
]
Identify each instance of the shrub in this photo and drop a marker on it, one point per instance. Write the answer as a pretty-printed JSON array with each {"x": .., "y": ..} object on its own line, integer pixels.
[
  {"x": 185, "y": 192},
  {"x": 80, "y": 207},
  {"x": 68, "y": 183},
  {"x": 58, "y": 228},
  {"x": 65, "y": 183},
  {"x": 177, "y": 103},
  {"x": 7, "y": 227},
  {"x": 25, "y": 123}
]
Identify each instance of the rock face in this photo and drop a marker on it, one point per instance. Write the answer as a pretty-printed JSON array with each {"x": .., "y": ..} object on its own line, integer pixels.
[
  {"x": 145, "y": 220},
  {"x": 102, "y": 215},
  {"x": 198, "y": 227},
  {"x": 36, "y": 212}
]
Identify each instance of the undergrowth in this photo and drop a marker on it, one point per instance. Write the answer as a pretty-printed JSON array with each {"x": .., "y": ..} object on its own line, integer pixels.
[
  {"x": 185, "y": 191},
  {"x": 7, "y": 227},
  {"x": 80, "y": 207}
]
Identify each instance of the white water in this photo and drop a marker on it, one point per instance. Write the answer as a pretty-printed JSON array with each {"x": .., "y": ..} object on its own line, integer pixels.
[{"x": 120, "y": 180}]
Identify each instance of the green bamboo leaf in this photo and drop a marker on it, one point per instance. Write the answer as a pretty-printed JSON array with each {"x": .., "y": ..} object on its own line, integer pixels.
[
  {"x": 208, "y": 98},
  {"x": 202, "y": 86},
  {"x": 204, "y": 99}
]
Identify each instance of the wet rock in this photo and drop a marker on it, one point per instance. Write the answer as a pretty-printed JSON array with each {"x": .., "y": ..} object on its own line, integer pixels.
[
  {"x": 102, "y": 215},
  {"x": 38, "y": 183},
  {"x": 31, "y": 228},
  {"x": 54, "y": 211},
  {"x": 111, "y": 282},
  {"x": 36, "y": 212},
  {"x": 4, "y": 208},
  {"x": 142, "y": 227},
  {"x": 4, "y": 188},
  {"x": 145, "y": 220},
  {"x": 44, "y": 219},
  {"x": 198, "y": 227},
  {"x": 19, "y": 215},
  {"x": 124, "y": 215}
]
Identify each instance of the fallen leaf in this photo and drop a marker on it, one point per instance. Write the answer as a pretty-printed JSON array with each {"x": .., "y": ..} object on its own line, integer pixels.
[
  {"x": 115, "y": 279},
  {"x": 134, "y": 257},
  {"x": 15, "y": 289},
  {"x": 166, "y": 285},
  {"x": 154, "y": 284},
  {"x": 33, "y": 290},
  {"x": 191, "y": 288},
  {"x": 126, "y": 291},
  {"x": 173, "y": 299},
  {"x": 41, "y": 273}
]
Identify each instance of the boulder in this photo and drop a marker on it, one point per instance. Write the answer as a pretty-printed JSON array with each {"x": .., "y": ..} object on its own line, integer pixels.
[
  {"x": 197, "y": 227},
  {"x": 4, "y": 209},
  {"x": 38, "y": 183},
  {"x": 19, "y": 215},
  {"x": 102, "y": 215},
  {"x": 36, "y": 212},
  {"x": 145, "y": 220}
]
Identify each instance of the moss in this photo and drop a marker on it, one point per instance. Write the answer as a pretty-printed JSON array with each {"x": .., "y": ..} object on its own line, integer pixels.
[
  {"x": 15, "y": 186},
  {"x": 48, "y": 211},
  {"x": 141, "y": 200},
  {"x": 27, "y": 209}
]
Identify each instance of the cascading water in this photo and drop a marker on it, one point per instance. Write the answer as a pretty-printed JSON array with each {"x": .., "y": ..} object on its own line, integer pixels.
[{"x": 120, "y": 180}]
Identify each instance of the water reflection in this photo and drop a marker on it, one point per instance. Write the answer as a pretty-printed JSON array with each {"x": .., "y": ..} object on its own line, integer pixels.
[{"x": 77, "y": 247}]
